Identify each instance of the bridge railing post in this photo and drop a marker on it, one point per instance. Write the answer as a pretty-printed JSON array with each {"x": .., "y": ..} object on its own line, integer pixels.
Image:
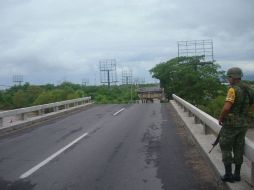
[
  {"x": 1, "y": 122},
  {"x": 41, "y": 111},
  {"x": 196, "y": 120},
  {"x": 205, "y": 128},
  {"x": 56, "y": 109},
  {"x": 23, "y": 116}
]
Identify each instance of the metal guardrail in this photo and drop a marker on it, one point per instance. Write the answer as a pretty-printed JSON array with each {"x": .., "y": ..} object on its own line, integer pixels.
[
  {"x": 39, "y": 110},
  {"x": 212, "y": 124}
]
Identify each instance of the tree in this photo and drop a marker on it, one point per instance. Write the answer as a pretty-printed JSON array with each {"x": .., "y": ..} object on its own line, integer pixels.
[
  {"x": 20, "y": 99},
  {"x": 28, "y": 95},
  {"x": 189, "y": 78},
  {"x": 44, "y": 98},
  {"x": 79, "y": 93},
  {"x": 32, "y": 92},
  {"x": 57, "y": 95}
]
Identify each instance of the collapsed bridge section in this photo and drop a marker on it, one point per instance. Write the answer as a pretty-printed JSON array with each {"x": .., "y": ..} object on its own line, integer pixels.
[{"x": 151, "y": 94}]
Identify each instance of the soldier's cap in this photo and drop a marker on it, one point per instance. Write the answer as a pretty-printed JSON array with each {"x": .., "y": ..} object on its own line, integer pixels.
[{"x": 235, "y": 72}]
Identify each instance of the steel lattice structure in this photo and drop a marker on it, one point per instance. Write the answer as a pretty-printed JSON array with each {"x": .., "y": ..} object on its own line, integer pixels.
[
  {"x": 108, "y": 71},
  {"x": 197, "y": 48},
  {"x": 18, "y": 79},
  {"x": 85, "y": 81},
  {"x": 127, "y": 77}
]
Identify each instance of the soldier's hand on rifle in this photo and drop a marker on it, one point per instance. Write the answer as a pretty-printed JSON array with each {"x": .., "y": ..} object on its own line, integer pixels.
[{"x": 220, "y": 121}]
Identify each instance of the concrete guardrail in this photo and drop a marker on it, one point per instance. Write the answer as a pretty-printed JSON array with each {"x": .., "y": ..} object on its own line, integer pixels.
[
  {"x": 23, "y": 114},
  {"x": 211, "y": 124}
]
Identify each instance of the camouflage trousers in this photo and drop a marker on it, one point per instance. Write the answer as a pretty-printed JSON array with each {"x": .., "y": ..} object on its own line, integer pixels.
[{"x": 232, "y": 141}]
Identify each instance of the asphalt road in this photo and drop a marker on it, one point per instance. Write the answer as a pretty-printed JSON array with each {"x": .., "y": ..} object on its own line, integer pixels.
[{"x": 105, "y": 147}]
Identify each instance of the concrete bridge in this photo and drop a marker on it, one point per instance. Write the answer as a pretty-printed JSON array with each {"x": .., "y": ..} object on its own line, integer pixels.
[{"x": 76, "y": 145}]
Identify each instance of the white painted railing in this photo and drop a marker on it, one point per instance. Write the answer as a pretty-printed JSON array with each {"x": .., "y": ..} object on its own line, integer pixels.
[
  {"x": 24, "y": 113},
  {"x": 210, "y": 123}
]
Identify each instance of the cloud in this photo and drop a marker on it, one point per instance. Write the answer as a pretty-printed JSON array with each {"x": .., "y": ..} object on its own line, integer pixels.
[
  {"x": 246, "y": 66},
  {"x": 47, "y": 41}
]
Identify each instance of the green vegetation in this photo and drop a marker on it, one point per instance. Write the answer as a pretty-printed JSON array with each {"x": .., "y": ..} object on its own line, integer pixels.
[
  {"x": 29, "y": 95},
  {"x": 195, "y": 82},
  {"x": 200, "y": 84}
]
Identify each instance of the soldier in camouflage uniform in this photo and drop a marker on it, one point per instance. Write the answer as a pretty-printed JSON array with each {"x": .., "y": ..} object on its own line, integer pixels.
[{"x": 235, "y": 121}]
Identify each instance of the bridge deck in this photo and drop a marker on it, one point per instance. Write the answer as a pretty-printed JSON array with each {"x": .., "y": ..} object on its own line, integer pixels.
[{"x": 140, "y": 147}]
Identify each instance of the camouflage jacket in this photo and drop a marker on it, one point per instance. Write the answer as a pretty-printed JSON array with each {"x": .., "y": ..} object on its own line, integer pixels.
[{"x": 238, "y": 115}]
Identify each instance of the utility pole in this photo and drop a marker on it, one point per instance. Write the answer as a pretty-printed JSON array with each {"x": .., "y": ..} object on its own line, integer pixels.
[{"x": 131, "y": 92}]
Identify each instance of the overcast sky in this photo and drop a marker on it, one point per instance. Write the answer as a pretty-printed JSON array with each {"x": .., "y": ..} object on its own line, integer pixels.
[{"x": 48, "y": 41}]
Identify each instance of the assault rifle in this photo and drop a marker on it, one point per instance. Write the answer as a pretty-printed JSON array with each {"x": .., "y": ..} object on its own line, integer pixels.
[{"x": 215, "y": 142}]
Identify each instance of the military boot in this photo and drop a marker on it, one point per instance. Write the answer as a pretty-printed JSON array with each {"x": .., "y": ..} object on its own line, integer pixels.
[
  {"x": 228, "y": 177},
  {"x": 236, "y": 175}
]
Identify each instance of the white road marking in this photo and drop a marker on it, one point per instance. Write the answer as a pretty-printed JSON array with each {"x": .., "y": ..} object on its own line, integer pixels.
[
  {"x": 44, "y": 162},
  {"x": 118, "y": 111}
]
